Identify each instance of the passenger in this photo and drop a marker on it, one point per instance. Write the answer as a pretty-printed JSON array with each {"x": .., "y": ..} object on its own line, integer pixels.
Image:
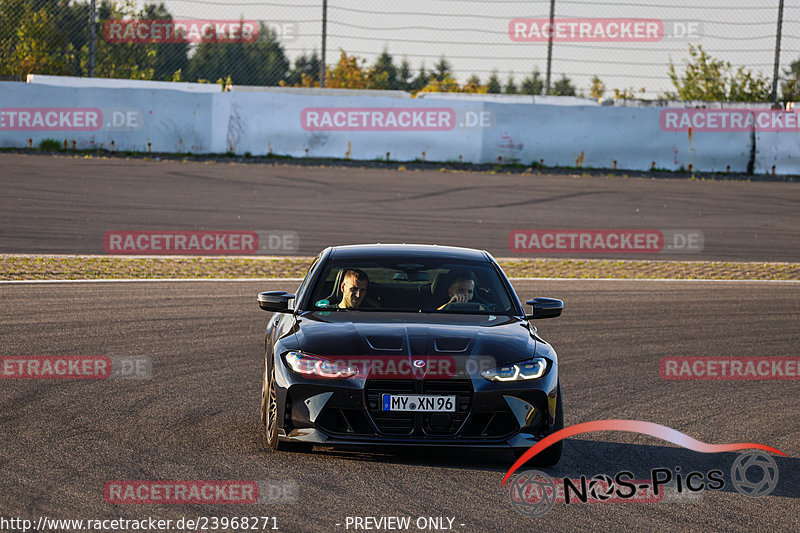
[{"x": 354, "y": 289}]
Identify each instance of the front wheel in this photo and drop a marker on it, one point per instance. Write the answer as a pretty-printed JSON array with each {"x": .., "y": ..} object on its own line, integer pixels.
[
  {"x": 551, "y": 455},
  {"x": 269, "y": 416},
  {"x": 269, "y": 410}
]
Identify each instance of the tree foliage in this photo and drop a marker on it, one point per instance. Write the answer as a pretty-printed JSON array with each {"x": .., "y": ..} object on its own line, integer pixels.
[
  {"x": 52, "y": 37},
  {"x": 511, "y": 86},
  {"x": 450, "y": 85},
  {"x": 533, "y": 84},
  {"x": 32, "y": 40},
  {"x": 628, "y": 93},
  {"x": 598, "y": 88},
  {"x": 351, "y": 72},
  {"x": 385, "y": 63},
  {"x": 493, "y": 85},
  {"x": 790, "y": 88},
  {"x": 563, "y": 87},
  {"x": 442, "y": 69},
  {"x": 259, "y": 63},
  {"x": 304, "y": 72},
  {"x": 708, "y": 79}
]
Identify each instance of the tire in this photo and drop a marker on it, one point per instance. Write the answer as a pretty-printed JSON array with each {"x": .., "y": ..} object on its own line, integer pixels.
[
  {"x": 552, "y": 454},
  {"x": 264, "y": 397},
  {"x": 269, "y": 416},
  {"x": 269, "y": 407}
]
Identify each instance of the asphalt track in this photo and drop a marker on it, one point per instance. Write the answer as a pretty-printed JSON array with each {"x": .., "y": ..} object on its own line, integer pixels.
[
  {"x": 66, "y": 205},
  {"x": 197, "y": 418}
]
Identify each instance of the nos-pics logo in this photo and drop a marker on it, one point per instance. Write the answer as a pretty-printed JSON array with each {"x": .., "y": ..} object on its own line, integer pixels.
[{"x": 534, "y": 493}]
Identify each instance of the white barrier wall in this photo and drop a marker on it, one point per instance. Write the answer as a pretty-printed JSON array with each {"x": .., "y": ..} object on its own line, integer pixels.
[
  {"x": 274, "y": 123},
  {"x": 599, "y": 136},
  {"x": 133, "y": 119},
  {"x": 780, "y": 150},
  {"x": 368, "y": 126}
]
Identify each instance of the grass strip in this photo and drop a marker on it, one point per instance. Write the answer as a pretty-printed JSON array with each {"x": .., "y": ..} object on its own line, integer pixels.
[{"x": 51, "y": 267}]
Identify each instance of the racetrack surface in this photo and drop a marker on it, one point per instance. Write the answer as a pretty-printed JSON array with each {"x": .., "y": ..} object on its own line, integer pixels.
[
  {"x": 62, "y": 204},
  {"x": 197, "y": 418}
]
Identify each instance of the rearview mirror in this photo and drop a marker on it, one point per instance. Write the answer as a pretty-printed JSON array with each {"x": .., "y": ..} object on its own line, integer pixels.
[
  {"x": 545, "y": 308},
  {"x": 275, "y": 301}
]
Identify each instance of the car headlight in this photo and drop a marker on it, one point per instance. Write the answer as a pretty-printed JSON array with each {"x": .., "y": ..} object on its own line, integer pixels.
[
  {"x": 311, "y": 365},
  {"x": 533, "y": 369}
]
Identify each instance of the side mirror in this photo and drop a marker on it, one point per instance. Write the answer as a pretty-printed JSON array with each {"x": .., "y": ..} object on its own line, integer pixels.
[
  {"x": 275, "y": 301},
  {"x": 545, "y": 308}
]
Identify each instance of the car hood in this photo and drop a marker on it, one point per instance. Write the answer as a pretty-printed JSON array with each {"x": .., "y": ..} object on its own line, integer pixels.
[{"x": 355, "y": 333}]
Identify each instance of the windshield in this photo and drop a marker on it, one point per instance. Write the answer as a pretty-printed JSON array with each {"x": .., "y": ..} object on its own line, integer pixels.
[{"x": 403, "y": 285}]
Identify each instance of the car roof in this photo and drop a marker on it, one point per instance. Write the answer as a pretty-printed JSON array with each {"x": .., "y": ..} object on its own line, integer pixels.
[{"x": 369, "y": 251}]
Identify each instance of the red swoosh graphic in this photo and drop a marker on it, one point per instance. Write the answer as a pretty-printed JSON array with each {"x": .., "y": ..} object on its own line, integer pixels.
[{"x": 647, "y": 428}]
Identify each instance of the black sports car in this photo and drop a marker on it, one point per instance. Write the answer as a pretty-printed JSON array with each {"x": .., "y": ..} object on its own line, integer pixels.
[{"x": 408, "y": 345}]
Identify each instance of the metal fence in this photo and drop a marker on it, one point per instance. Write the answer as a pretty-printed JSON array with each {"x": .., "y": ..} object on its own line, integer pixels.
[{"x": 500, "y": 45}]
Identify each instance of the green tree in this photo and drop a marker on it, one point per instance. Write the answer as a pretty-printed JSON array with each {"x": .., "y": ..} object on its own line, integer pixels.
[
  {"x": 598, "y": 88},
  {"x": 627, "y": 94},
  {"x": 493, "y": 85},
  {"x": 450, "y": 85},
  {"x": 52, "y": 37},
  {"x": 32, "y": 40},
  {"x": 259, "y": 63},
  {"x": 385, "y": 63},
  {"x": 351, "y": 72},
  {"x": 790, "y": 88},
  {"x": 404, "y": 76},
  {"x": 533, "y": 84},
  {"x": 708, "y": 79},
  {"x": 563, "y": 87},
  {"x": 511, "y": 87},
  {"x": 442, "y": 69},
  {"x": 473, "y": 85},
  {"x": 421, "y": 80},
  {"x": 170, "y": 57},
  {"x": 119, "y": 60},
  {"x": 41, "y": 48},
  {"x": 305, "y": 72}
]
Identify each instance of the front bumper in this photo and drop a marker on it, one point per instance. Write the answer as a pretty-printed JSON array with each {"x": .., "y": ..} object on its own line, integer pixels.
[{"x": 347, "y": 412}]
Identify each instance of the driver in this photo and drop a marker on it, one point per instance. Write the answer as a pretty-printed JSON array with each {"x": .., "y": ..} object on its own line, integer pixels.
[
  {"x": 461, "y": 290},
  {"x": 354, "y": 289}
]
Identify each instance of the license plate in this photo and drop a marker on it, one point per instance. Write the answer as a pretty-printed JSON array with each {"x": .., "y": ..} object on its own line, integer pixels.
[{"x": 419, "y": 402}]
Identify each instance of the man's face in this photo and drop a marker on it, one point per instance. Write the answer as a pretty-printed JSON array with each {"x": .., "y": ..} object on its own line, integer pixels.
[
  {"x": 464, "y": 288},
  {"x": 353, "y": 292}
]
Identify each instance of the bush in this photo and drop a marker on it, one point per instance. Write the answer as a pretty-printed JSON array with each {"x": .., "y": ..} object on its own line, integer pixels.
[{"x": 51, "y": 145}]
